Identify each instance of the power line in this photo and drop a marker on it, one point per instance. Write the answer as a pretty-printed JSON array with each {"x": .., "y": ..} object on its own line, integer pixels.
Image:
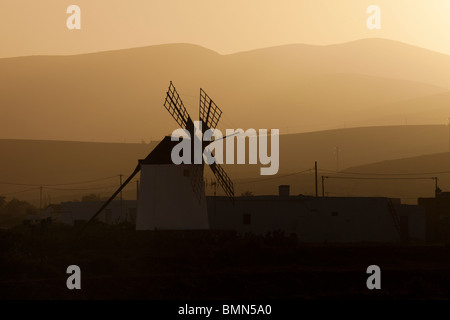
[
  {"x": 356, "y": 195},
  {"x": 386, "y": 174},
  {"x": 380, "y": 178},
  {"x": 58, "y": 184},
  {"x": 82, "y": 182},
  {"x": 20, "y": 184},
  {"x": 17, "y": 192},
  {"x": 81, "y": 189},
  {"x": 85, "y": 189},
  {"x": 61, "y": 189},
  {"x": 277, "y": 177}
]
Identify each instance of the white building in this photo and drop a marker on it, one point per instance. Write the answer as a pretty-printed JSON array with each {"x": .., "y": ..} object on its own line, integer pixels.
[
  {"x": 315, "y": 220},
  {"x": 319, "y": 220},
  {"x": 169, "y": 202},
  {"x": 172, "y": 197}
]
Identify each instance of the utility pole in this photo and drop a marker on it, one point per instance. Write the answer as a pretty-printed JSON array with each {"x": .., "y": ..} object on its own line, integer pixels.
[
  {"x": 323, "y": 186},
  {"x": 448, "y": 134},
  {"x": 120, "y": 177},
  {"x": 315, "y": 176},
  {"x": 213, "y": 183},
  {"x": 40, "y": 200},
  {"x": 336, "y": 151},
  {"x": 137, "y": 189},
  {"x": 436, "y": 187}
]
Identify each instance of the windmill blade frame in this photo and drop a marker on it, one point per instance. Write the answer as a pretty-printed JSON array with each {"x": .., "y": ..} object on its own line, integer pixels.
[
  {"x": 176, "y": 108},
  {"x": 135, "y": 172},
  {"x": 224, "y": 180},
  {"x": 209, "y": 112},
  {"x": 210, "y": 115}
]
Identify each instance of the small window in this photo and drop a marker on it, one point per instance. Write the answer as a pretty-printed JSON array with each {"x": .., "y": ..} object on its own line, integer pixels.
[{"x": 246, "y": 218}]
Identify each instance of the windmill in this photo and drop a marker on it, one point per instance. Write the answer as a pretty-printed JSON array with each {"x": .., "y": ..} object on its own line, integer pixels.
[{"x": 173, "y": 196}]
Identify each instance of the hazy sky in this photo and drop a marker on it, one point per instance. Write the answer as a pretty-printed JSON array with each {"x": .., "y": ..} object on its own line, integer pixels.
[{"x": 39, "y": 27}]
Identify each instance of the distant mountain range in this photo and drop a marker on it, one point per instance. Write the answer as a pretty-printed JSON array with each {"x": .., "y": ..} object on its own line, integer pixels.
[{"x": 118, "y": 95}]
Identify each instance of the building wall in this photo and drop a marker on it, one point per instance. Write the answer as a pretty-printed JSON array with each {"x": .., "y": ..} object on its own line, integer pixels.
[
  {"x": 437, "y": 218},
  {"x": 311, "y": 219},
  {"x": 167, "y": 200},
  {"x": 317, "y": 220},
  {"x": 415, "y": 221}
]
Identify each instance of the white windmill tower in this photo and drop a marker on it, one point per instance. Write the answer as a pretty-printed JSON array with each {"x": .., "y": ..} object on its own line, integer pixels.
[{"x": 171, "y": 196}]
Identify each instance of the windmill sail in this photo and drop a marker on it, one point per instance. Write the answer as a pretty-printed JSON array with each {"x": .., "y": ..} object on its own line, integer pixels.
[
  {"x": 210, "y": 115},
  {"x": 224, "y": 180},
  {"x": 209, "y": 112},
  {"x": 135, "y": 172},
  {"x": 177, "y": 110}
]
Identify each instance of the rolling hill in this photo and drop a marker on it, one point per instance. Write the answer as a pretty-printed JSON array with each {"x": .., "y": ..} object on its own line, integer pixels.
[
  {"x": 117, "y": 96},
  {"x": 59, "y": 165},
  {"x": 417, "y": 172}
]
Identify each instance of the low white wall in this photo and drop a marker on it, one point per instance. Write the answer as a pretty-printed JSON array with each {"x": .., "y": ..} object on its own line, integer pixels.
[{"x": 312, "y": 219}]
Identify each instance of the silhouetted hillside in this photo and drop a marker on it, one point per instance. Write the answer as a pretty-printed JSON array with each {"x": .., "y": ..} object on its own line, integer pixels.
[
  {"x": 418, "y": 172},
  {"x": 118, "y": 95},
  {"x": 429, "y": 163},
  {"x": 57, "y": 163}
]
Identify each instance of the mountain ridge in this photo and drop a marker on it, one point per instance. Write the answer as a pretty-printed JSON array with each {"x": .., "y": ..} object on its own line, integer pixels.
[
  {"x": 118, "y": 95},
  {"x": 287, "y": 45}
]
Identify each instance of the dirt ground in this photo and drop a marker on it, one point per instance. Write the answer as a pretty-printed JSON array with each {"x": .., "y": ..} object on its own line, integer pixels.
[{"x": 120, "y": 263}]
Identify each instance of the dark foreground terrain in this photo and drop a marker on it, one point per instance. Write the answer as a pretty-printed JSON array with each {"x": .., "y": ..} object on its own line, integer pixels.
[{"x": 120, "y": 263}]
